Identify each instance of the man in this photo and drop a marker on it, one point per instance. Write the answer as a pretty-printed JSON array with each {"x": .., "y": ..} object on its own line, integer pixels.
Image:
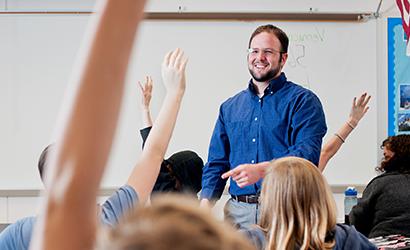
[{"x": 272, "y": 118}]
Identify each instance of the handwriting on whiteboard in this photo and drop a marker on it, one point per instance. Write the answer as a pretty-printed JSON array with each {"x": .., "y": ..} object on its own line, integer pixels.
[{"x": 299, "y": 51}]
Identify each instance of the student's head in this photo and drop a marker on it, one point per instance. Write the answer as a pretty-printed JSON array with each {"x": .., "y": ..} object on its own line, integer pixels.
[
  {"x": 297, "y": 206},
  {"x": 172, "y": 222},
  {"x": 396, "y": 151},
  {"x": 187, "y": 168},
  {"x": 43, "y": 160},
  {"x": 182, "y": 172},
  {"x": 268, "y": 47}
]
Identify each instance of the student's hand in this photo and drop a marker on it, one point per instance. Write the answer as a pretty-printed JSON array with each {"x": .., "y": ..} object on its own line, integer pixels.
[
  {"x": 173, "y": 71},
  {"x": 146, "y": 92},
  {"x": 359, "y": 109},
  {"x": 247, "y": 174}
]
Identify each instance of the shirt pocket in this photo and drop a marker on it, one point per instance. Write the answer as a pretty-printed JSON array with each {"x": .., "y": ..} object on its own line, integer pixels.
[{"x": 238, "y": 133}]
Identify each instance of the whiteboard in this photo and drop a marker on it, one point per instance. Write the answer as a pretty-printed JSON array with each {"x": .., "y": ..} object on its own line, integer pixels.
[{"x": 335, "y": 60}]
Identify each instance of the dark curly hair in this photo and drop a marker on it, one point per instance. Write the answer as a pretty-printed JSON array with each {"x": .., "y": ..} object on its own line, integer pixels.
[{"x": 400, "y": 161}]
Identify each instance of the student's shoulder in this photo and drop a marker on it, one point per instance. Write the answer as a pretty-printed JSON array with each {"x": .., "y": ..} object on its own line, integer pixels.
[
  {"x": 22, "y": 224},
  {"x": 120, "y": 202},
  {"x": 347, "y": 237},
  {"x": 386, "y": 178},
  {"x": 18, "y": 234},
  {"x": 123, "y": 194},
  {"x": 256, "y": 236}
]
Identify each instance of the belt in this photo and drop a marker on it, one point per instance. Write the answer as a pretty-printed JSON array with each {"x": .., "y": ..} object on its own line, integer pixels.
[{"x": 246, "y": 198}]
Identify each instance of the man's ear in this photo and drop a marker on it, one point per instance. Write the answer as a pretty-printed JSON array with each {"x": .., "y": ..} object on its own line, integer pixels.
[{"x": 284, "y": 58}]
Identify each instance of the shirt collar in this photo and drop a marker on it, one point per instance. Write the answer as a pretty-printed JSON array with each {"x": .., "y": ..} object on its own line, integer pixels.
[{"x": 274, "y": 85}]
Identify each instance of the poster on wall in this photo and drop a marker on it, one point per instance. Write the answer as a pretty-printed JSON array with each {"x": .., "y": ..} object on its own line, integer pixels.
[{"x": 398, "y": 77}]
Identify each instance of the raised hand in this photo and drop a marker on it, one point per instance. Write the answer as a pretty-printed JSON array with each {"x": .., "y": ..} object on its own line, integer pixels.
[
  {"x": 173, "y": 71},
  {"x": 146, "y": 92},
  {"x": 359, "y": 108},
  {"x": 145, "y": 173}
]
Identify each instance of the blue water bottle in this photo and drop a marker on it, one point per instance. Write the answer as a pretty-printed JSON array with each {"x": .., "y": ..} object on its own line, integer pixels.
[{"x": 349, "y": 202}]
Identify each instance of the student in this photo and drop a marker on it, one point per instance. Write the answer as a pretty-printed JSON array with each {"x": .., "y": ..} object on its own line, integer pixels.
[
  {"x": 298, "y": 211},
  {"x": 248, "y": 174},
  {"x": 17, "y": 236},
  {"x": 272, "y": 118},
  {"x": 182, "y": 172},
  {"x": 384, "y": 208},
  {"x": 77, "y": 164}
]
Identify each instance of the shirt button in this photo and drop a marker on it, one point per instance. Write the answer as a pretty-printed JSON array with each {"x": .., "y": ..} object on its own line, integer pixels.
[
  {"x": 259, "y": 100},
  {"x": 253, "y": 140},
  {"x": 271, "y": 92},
  {"x": 253, "y": 161},
  {"x": 256, "y": 118}
]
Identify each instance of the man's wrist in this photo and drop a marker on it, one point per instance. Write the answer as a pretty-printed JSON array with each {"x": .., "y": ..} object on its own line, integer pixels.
[{"x": 262, "y": 169}]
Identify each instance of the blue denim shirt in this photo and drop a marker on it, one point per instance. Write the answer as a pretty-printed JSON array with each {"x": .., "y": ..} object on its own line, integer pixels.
[{"x": 288, "y": 120}]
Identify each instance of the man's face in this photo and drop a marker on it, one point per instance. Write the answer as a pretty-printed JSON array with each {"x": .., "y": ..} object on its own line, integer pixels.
[{"x": 265, "y": 61}]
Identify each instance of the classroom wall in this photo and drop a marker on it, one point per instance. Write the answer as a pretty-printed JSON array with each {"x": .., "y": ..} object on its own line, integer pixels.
[
  {"x": 336, "y": 60},
  {"x": 12, "y": 208}
]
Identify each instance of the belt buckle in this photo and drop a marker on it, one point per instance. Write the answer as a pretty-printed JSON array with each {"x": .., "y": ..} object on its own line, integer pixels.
[
  {"x": 253, "y": 198},
  {"x": 246, "y": 198}
]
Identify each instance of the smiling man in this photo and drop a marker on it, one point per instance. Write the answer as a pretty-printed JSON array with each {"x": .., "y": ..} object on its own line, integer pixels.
[{"x": 272, "y": 118}]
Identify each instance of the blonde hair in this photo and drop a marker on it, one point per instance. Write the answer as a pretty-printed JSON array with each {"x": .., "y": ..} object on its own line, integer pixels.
[
  {"x": 297, "y": 206},
  {"x": 172, "y": 222}
]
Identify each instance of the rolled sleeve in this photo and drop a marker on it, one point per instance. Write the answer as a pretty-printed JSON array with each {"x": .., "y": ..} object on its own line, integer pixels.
[{"x": 122, "y": 201}]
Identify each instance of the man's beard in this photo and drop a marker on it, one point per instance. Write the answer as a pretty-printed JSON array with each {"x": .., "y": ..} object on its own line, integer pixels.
[
  {"x": 265, "y": 77},
  {"x": 269, "y": 75}
]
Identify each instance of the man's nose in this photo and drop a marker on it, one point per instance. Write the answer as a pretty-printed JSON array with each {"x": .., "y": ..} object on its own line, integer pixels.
[{"x": 261, "y": 55}]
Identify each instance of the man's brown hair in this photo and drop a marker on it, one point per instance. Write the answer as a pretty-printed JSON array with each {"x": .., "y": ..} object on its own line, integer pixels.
[{"x": 280, "y": 34}]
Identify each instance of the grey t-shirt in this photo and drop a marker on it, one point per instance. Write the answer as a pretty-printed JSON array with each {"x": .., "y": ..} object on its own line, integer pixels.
[{"x": 17, "y": 236}]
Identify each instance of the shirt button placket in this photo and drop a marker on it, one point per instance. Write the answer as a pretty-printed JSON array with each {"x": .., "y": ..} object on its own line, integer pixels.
[{"x": 256, "y": 119}]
